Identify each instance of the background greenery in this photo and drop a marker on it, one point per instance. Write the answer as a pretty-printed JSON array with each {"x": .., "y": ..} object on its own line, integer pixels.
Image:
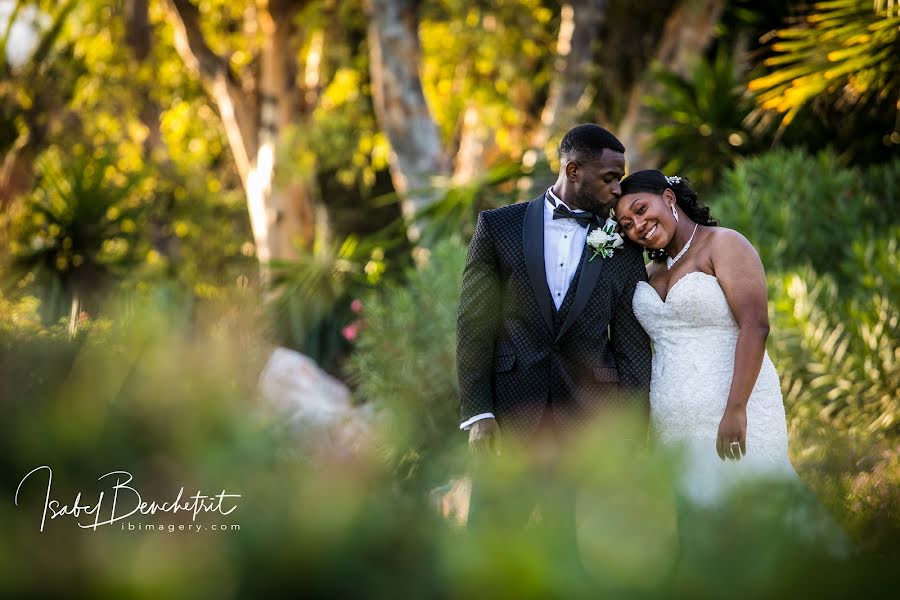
[{"x": 136, "y": 313}]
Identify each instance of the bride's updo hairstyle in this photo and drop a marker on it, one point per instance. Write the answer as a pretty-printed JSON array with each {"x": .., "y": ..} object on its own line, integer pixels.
[{"x": 654, "y": 182}]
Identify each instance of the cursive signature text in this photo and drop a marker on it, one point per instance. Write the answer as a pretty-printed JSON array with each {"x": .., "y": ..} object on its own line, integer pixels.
[{"x": 125, "y": 502}]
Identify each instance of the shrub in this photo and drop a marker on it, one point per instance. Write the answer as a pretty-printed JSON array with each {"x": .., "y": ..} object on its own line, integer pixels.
[
  {"x": 838, "y": 359},
  {"x": 799, "y": 209},
  {"x": 405, "y": 357}
]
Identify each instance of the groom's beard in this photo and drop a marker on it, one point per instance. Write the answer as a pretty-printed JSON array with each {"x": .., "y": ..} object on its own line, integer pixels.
[{"x": 590, "y": 202}]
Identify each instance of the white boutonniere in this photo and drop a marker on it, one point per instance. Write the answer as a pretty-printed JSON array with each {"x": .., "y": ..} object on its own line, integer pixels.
[{"x": 604, "y": 240}]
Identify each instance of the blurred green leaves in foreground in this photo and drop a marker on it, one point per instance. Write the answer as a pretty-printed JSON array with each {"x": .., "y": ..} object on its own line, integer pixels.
[{"x": 174, "y": 407}]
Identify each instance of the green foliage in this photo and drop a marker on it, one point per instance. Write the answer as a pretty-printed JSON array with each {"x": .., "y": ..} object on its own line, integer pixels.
[
  {"x": 32, "y": 94},
  {"x": 457, "y": 209},
  {"x": 405, "y": 357},
  {"x": 81, "y": 223},
  {"x": 798, "y": 209},
  {"x": 873, "y": 496},
  {"x": 34, "y": 357},
  {"x": 701, "y": 120},
  {"x": 311, "y": 297},
  {"x": 839, "y": 359},
  {"x": 492, "y": 56},
  {"x": 844, "y": 53},
  {"x": 857, "y": 478},
  {"x": 344, "y": 526}
]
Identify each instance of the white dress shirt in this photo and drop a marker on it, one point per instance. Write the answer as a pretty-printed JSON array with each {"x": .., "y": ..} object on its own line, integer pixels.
[{"x": 564, "y": 241}]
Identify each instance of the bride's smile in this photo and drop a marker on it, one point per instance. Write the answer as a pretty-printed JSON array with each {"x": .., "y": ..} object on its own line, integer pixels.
[{"x": 650, "y": 233}]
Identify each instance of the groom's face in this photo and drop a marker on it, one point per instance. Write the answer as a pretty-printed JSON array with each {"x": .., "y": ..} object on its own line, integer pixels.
[{"x": 596, "y": 181}]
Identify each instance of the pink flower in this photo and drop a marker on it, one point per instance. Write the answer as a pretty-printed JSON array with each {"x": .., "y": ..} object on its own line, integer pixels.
[
  {"x": 356, "y": 306},
  {"x": 349, "y": 332}
]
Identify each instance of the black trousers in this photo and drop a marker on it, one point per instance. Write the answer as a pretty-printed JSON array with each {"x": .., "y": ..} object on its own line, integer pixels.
[{"x": 536, "y": 499}]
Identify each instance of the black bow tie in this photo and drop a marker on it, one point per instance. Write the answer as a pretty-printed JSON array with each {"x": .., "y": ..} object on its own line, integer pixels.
[{"x": 582, "y": 218}]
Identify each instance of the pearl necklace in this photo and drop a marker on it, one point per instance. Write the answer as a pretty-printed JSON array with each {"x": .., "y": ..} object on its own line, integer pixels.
[{"x": 670, "y": 262}]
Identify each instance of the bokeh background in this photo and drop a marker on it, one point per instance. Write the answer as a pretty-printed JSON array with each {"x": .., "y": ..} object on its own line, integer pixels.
[{"x": 187, "y": 185}]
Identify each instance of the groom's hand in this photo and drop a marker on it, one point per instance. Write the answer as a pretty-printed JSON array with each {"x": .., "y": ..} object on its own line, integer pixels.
[{"x": 484, "y": 437}]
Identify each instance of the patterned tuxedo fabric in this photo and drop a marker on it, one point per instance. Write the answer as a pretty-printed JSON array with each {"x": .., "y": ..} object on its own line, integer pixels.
[{"x": 517, "y": 354}]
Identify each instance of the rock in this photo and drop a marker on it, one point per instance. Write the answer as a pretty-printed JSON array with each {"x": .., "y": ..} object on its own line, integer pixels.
[
  {"x": 294, "y": 384},
  {"x": 311, "y": 405}
]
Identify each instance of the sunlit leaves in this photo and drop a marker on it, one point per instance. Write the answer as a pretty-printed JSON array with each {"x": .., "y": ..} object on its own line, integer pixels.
[
  {"x": 81, "y": 222},
  {"x": 844, "y": 49},
  {"x": 497, "y": 58},
  {"x": 839, "y": 359},
  {"x": 192, "y": 135}
]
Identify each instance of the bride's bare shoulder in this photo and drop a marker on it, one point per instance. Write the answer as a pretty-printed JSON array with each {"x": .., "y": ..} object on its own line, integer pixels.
[
  {"x": 723, "y": 238},
  {"x": 731, "y": 252}
]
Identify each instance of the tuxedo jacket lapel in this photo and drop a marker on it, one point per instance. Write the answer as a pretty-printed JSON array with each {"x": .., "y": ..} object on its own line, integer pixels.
[
  {"x": 533, "y": 245},
  {"x": 590, "y": 271}
]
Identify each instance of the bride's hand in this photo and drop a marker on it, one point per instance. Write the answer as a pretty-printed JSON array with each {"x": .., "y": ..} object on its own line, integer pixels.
[{"x": 732, "y": 428}]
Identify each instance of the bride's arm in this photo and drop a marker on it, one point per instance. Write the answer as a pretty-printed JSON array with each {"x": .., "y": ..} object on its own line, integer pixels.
[{"x": 741, "y": 275}]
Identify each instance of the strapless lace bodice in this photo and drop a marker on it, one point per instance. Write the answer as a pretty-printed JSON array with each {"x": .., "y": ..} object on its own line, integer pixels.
[{"x": 694, "y": 337}]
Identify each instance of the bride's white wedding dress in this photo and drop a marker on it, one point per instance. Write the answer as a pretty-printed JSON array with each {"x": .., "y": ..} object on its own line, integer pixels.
[{"x": 694, "y": 337}]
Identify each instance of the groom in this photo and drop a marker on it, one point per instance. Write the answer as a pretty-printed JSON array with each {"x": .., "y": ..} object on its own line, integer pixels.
[{"x": 546, "y": 337}]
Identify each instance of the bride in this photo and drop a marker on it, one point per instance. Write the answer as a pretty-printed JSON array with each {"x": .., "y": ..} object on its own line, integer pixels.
[{"x": 714, "y": 391}]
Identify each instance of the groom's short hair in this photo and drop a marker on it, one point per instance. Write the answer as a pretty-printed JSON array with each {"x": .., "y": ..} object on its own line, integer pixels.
[{"x": 587, "y": 141}]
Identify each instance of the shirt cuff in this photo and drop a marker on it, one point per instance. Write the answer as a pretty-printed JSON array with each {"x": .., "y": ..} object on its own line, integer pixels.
[{"x": 469, "y": 422}]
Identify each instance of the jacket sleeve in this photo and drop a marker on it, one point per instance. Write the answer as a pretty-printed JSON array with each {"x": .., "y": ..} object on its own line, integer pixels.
[
  {"x": 477, "y": 323},
  {"x": 631, "y": 345}
]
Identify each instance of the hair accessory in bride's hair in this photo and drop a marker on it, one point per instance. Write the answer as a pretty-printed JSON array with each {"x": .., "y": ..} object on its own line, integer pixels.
[{"x": 673, "y": 179}]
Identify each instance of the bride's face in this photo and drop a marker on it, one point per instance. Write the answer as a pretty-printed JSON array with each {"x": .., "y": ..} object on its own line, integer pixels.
[{"x": 646, "y": 219}]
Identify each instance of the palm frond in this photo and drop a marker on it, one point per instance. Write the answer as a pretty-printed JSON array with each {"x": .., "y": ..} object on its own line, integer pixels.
[{"x": 847, "y": 51}]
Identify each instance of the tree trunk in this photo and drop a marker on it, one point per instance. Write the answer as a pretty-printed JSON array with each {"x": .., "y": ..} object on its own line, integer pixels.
[
  {"x": 475, "y": 146},
  {"x": 74, "y": 314},
  {"x": 139, "y": 37},
  {"x": 688, "y": 31},
  {"x": 17, "y": 165},
  {"x": 16, "y": 172},
  {"x": 580, "y": 21},
  {"x": 417, "y": 155},
  {"x": 282, "y": 214}
]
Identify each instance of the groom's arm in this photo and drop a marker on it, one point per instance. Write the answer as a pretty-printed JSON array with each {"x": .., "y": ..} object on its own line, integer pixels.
[
  {"x": 631, "y": 345},
  {"x": 477, "y": 323}
]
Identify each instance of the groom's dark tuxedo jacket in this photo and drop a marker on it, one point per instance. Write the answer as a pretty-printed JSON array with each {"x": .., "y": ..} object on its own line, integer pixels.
[{"x": 517, "y": 354}]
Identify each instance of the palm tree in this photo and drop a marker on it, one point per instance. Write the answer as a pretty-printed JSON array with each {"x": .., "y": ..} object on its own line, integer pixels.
[
  {"x": 81, "y": 223},
  {"x": 701, "y": 120},
  {"x": 845, "y": 53}
]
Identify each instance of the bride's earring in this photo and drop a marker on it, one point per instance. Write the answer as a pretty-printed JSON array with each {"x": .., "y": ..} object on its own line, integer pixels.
[{"x": 674, "y": 213}]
